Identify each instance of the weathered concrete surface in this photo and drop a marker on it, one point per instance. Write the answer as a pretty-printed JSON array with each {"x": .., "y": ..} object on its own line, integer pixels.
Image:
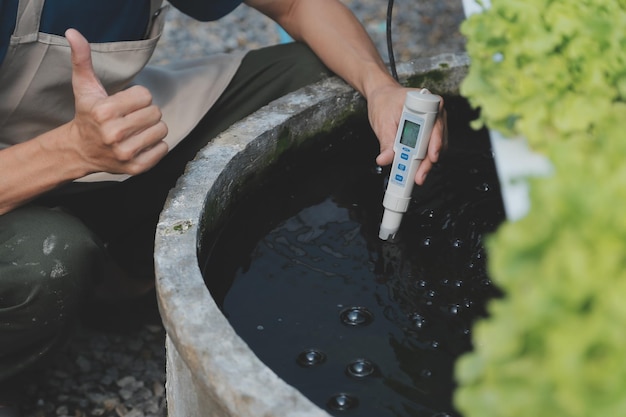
[{"x": 211, "y": 371}]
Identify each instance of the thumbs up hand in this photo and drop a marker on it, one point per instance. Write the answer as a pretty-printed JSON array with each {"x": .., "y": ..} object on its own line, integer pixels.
[{"x": 122, "y": 133}]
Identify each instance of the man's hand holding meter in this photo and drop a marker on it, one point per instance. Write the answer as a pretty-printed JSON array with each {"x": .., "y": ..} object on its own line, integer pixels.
[{"x": 385, "y": 109}]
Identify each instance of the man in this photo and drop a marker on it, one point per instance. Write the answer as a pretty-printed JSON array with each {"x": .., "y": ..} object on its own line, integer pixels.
[{"x": 91, "y": 141}]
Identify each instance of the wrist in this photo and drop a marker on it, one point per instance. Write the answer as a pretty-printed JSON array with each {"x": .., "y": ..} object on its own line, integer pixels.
[
  {"x": 376, "y": 81},
  {"x": 66, "y": 160}
]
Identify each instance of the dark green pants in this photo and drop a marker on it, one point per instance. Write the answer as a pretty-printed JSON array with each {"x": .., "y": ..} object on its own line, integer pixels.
[{"x": 49, "y": 257}]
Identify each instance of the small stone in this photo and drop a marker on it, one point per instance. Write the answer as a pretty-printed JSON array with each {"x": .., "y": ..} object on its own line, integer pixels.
[
  {"x": 142, "y": 394},
  {"x": 121, "y": 410},
  {"x": 158, "y": 389},
  {"x": 98, "y": 411},
  {"x": 135, "y": 345},
  {"x": 151, "y": 406},
  {"x": 126, "y": 394},
  {"x": 111, "y": 403},
  {"x": 95, "y": 397},
  {"x": 134, "y": 413},
  {"x": 84, "y": 364},
  {"x": 126, "y": 381},
  {"x": 153, "y": 328}
]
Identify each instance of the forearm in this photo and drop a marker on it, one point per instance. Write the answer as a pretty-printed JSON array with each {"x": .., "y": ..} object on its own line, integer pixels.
[
  {"x": 336, "y": 36},
  {"x": 34, "y": 167},
  {"x": 339, "y": 39}
]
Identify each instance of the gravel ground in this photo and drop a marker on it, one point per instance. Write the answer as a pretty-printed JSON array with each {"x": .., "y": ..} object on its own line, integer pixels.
[{"x": 119, "y": 369}]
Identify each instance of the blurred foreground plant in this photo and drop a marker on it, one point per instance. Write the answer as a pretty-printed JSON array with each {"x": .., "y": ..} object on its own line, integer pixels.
[{"x": 554, "y": 71}]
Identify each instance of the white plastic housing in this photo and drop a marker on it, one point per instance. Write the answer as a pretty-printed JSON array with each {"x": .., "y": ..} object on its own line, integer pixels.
[{"x": 410, "y": 147}]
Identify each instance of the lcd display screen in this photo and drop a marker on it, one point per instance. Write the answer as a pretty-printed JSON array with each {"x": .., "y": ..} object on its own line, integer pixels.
[{"x": 410, "y": 133}]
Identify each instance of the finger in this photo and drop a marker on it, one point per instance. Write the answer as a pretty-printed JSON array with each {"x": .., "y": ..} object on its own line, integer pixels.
[
  {"x": 422, "y": 171},
  {"x": 84, "y": 79},
  {"x": 147, "y": 158},
  {"x": 435, "y": 145},
  {"x": 135, "y": 145},
  {"x": 442, "y": 124},
  {"x": 385, "y": 157},
  {"x": 135, "y": 121},
  {"x": 386, "y": 140},
  {"x": 131, "y": 100},
  {"x": 438, "y": 137}
]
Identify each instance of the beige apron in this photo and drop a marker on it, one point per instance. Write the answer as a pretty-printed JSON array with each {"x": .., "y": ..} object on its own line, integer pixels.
[{"x": 36, "y": 80}]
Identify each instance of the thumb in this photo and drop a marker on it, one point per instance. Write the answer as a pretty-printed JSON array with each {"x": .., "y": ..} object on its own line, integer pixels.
[
  {"x": 385, "y": 157},
  {"x": 84, "y": 80}
]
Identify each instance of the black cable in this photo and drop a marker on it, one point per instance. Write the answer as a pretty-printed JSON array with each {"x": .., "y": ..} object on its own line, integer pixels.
[{"x": 392, "y": 60}]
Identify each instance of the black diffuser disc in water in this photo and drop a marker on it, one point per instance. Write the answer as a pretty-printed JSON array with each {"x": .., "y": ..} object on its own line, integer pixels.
[
  {"x": 342, "y": 402},
  {"x": 305, "y": 267},
  {"x": 311, "y": 357},
  {"x": 360, "y": 368},
  {"x": 356, "y": 316}
]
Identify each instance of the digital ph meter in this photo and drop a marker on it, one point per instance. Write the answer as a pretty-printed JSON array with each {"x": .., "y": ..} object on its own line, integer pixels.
[{"x": 410, "y": 147}]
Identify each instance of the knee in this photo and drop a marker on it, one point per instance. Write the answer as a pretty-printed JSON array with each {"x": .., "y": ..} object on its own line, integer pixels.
[
  {"x": 46, "y": 260},
  {"x": 46, "y": 242}
]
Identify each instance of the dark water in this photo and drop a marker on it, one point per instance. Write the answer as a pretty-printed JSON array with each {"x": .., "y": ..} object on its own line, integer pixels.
[{"x": 360, "y": 326}]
